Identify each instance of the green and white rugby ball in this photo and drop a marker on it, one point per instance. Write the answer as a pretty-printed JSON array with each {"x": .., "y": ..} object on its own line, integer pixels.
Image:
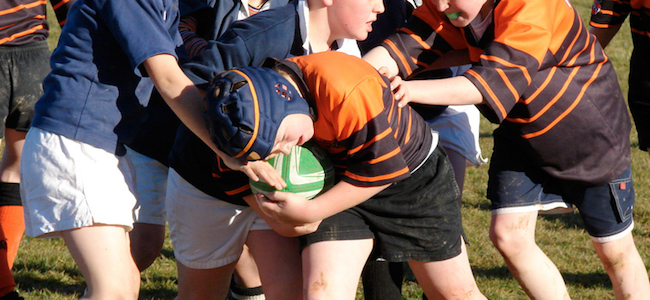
[{"x": 307, "y": 170}]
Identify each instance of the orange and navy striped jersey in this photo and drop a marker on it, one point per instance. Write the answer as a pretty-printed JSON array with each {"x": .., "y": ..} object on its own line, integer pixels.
[
  {"x": 605, "y": 13},
  {"x": 24, "y": 21},
  {"x": 370, "y": 140},
  {"x": 544, "y": 78}
]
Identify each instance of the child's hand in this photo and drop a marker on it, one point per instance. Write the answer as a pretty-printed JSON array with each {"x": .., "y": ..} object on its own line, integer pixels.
[
  {"x": 397, "y": 85},
  {"x": 257, "y": 170},
  {"x": 400, "y": 90},
  {"x": 285, "y": 207}
]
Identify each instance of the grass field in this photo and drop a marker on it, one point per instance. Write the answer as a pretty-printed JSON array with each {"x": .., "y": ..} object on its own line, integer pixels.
[{"x": 45, "y": 270}]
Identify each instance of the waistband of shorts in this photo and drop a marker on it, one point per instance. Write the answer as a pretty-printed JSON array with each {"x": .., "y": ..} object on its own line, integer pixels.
[
  {"x": 26, "y": 47},
  {"x": 434, "y": 145}
]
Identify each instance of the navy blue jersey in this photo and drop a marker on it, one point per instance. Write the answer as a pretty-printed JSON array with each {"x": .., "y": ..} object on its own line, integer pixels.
[{"x": 97, "y": 87}]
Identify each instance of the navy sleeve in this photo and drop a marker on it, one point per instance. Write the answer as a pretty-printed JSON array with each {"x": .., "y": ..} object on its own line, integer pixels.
[{"x": 247, "y": 43}]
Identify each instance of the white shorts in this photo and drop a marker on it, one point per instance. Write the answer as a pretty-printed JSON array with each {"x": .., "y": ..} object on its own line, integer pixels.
[
  {"x": 67, "y": 184},
  {"x": 151, "y": 187},
  {"x": 458, "y": 128},
  {"x": 206, "y": 232}
]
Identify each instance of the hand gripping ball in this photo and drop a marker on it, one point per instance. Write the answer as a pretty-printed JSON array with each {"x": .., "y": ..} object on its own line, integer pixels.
[{"x": 307, "y": 170}]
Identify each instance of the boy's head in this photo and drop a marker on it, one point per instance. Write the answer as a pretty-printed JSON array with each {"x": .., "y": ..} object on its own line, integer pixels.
[
  {"x": 349, "y": 19},
  {"x": 251, "y": 113}
]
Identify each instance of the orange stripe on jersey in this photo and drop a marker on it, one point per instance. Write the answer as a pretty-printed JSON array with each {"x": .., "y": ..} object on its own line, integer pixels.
[
  {"x": 502, "y": 110},
  {"x": 407, "y": 138},
  {"x": 399, "y": 121},
  {"x": 609, "y": 13},
  {"x": 573, "y": 105},
  {"x": 377, "y": 178},
  {"x": 376, "y": 138},
  {"x": 557, "y": 97},
  {"x": 257, "y": 115},
  {"x": 24, "y": 33},
  {"x": 23, "y": 6},
  {"x": 60, "y": 4},
  {"x": 416, "y": 38},
  {"x": 508, "y": 64},
  {"x": 505, "y": 79},
  {"x": 598, "y": 25},
  {"x": 385, "y": 157},
  {"x": 542, "y": 87},
  {"x": 238, "y": 190},
  {"x": 401, "y": 58}
]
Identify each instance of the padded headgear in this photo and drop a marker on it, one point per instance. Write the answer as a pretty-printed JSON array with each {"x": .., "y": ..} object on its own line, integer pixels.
[{"x": 244, "y": 109}]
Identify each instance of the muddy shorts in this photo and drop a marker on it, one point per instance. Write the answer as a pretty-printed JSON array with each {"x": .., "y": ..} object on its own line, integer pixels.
[{"x": 22, "y": 69}]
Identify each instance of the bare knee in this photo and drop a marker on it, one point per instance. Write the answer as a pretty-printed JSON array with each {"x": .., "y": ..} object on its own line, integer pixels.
[{"x": 510, "y": 240}]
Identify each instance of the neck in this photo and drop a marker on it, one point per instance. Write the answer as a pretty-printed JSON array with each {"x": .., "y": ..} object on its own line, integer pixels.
[{"x": 320, "y": 35}]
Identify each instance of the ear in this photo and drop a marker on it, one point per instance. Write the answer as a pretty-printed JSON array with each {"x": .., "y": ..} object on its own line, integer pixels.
[{"x": 328, "y": 3}]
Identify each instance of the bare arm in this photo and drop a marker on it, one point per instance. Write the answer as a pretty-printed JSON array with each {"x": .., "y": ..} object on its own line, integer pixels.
[
  {"x": 379, "y": 57},
  {"x": 186, "y": 100},
  {"x": 447, "y": 91},
  {"x": 605, "y": 35},
  {"x": 294, "y": 209}
]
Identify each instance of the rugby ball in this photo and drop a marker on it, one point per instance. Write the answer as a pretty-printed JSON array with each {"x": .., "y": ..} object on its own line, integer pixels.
[{"x": 307, "y": 170}]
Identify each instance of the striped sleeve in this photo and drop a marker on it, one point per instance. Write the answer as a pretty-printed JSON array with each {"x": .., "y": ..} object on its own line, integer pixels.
[
  {"x": 193, "y": 42},
  {"x": 606, "y": 13},
  {"x": 425, "y": 37},
  {"x": 61, "y": 8}
]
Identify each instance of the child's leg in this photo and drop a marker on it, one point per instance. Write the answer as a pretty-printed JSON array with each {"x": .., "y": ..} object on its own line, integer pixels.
[
  {"x": 103, "y": 255},
  {"x": 625, "y": 268},
  {"x": 278, "y": 262},
  {"x": 198, "y": 284},
  {"x": 12, "y": 226},
  {"x": 331, "y": 269},
  {"x": 448, "y": 279},
  {"x": 513, "y": 234}
]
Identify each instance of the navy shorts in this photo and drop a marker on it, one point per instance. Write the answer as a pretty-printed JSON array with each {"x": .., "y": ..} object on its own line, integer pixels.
[
  {"x": 22, "y": 69},
  {"x": 606, "y": 210},
  {"x": 417, "y": 218}
]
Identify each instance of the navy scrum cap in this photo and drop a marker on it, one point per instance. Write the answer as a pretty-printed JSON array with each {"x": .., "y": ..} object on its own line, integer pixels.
[{"x": 244, "y": 108}]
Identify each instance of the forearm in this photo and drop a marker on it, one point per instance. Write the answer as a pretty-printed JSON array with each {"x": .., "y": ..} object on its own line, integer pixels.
[
  {"x": 339, "y": 198},
  {"x": 448, "y": 91},
  {"x": 180, "y": 94}
]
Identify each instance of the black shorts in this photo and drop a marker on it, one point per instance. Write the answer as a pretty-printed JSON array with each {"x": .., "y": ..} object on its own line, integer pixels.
[
  {"x": 417, "y": 218},
  {"x": 22, "y": 69}
]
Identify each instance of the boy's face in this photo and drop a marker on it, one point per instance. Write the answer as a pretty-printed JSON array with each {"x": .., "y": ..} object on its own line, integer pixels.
[
  {"x": 460, "y": 12},
  {"x": 295, "y": 129},
  {"x": 353, "y": 18}
]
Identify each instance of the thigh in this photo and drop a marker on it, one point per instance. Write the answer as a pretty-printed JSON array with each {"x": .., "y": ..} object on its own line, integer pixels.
[
  {"x": 445, "y": 279},
  {"x": 103, "y": 256},
  {"x": 274, "y": 255},
  {"x": 200, "y": 284},
  {"x": 331, "y": 269}
]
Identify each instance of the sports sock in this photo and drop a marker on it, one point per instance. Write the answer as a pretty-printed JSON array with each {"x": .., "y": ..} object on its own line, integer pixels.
[
  {"x": 12, "y": 227},
  {"x": 244, "y": 293}
]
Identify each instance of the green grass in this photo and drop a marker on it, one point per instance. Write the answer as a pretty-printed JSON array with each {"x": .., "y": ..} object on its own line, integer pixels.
[{"x": 45, "y": 270}]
